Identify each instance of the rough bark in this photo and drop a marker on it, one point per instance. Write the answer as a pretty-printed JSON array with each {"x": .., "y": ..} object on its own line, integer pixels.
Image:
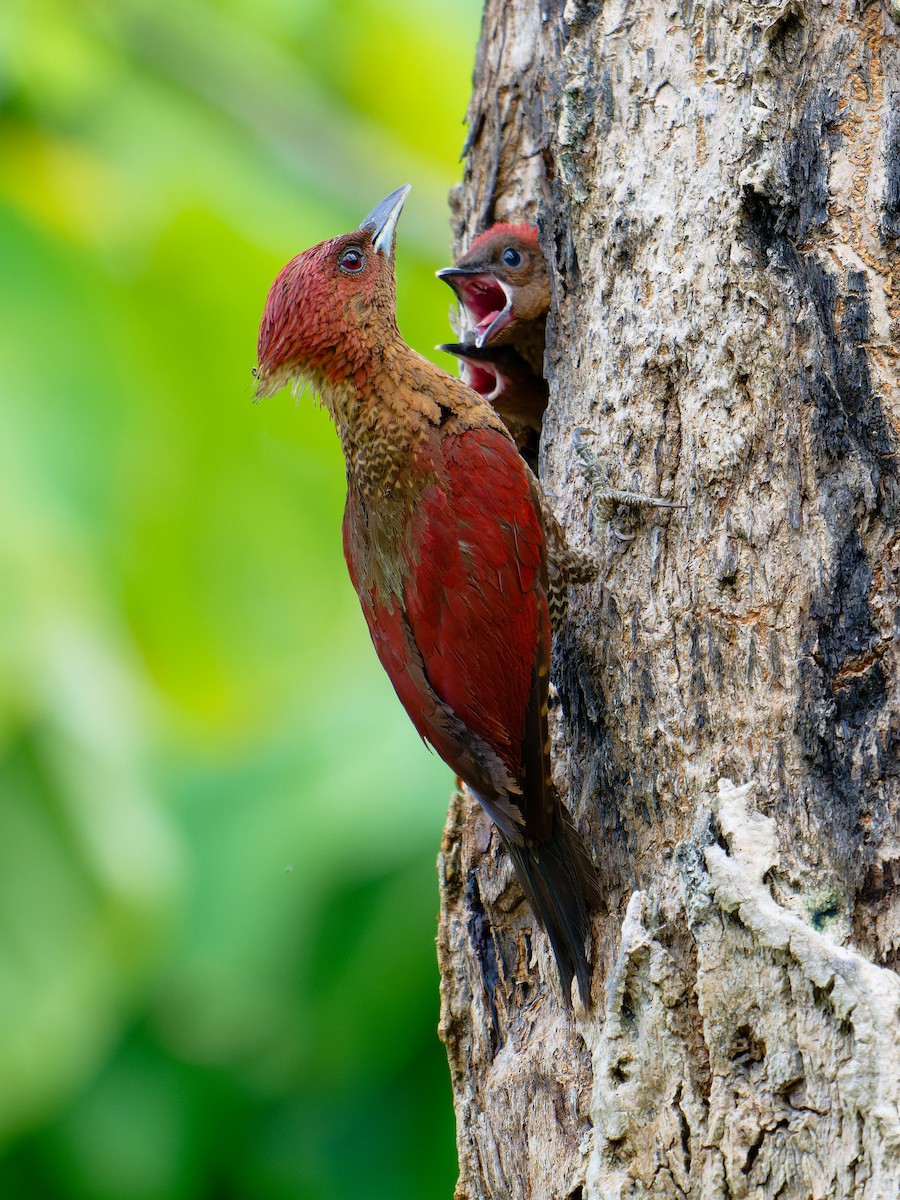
[{"x": 718, "y": 190}]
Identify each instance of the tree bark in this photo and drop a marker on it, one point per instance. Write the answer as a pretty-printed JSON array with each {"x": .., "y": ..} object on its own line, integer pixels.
[{"x": 718, "y": 190}]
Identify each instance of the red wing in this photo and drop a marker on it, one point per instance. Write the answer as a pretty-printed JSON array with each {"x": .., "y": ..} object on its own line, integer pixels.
[
  {"x": 471, "y": 757},
  {"x": 469, "y": 651},
  {"x": 475, "y": 592}
]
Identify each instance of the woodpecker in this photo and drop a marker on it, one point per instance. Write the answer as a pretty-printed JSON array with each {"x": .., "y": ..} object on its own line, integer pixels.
[
  {"x": 445, "y": 544},
  {"x": 501, "y": 284},
  {"x": 501, "y": 375}
]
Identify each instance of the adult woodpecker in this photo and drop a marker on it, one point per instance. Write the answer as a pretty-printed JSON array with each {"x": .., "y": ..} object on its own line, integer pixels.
[{"x": 444, "y": 542}]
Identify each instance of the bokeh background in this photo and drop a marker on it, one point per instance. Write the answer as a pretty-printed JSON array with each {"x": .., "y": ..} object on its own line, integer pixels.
[{"x": 217, "y": 827}]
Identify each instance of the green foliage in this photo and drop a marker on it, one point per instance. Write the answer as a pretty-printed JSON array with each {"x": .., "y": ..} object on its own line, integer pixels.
[{"x": 217, "y": 827}]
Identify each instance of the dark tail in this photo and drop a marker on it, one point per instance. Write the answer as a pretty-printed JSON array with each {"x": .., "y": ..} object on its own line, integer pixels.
[{"x": 559, "y": 880}]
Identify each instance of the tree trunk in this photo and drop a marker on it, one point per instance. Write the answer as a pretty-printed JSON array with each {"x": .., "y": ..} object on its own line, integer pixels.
[{"x": 718, "y": 190}]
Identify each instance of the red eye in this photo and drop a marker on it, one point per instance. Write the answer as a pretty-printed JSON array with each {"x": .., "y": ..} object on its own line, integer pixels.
[{"x": 352, "y": 261}]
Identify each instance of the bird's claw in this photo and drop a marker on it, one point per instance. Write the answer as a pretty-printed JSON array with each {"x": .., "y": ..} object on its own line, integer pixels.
[{"x": 608, "y": 500}]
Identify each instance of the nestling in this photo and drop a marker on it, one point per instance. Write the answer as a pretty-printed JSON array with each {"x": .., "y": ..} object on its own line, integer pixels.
[
  {"x": 501, "y": 284},
  {"x": 502, "y": 376}
]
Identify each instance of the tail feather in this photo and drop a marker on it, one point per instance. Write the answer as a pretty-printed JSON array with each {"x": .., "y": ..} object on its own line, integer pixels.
[{"x": 559, "y": 881}]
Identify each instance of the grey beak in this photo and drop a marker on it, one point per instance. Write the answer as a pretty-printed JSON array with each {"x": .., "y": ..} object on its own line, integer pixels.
[
  {"x": 381, "y": 222},
  {"x": 451, "y": 273}
]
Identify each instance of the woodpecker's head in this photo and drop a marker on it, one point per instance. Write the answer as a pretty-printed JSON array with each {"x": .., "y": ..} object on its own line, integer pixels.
[
  {"x": 500, "y": 280},
  {"x": 332, "y": 306}
]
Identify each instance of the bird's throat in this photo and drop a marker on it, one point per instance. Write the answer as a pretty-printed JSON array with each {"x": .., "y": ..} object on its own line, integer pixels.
[{"x": 383, "y": 450}]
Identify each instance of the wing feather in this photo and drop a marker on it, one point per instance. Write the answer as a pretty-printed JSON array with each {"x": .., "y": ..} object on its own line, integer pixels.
[{"x": 468, "y": 650}]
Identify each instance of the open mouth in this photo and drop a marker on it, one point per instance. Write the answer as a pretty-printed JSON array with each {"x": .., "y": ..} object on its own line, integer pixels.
[
  {"x": 480, "y": 374},
  {"x": 483, "y": 378},
  {"x": 485, "y": 301}
]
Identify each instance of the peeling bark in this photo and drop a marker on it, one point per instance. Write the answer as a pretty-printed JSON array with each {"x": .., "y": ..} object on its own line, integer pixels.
[{"x": 718, "y": 191}]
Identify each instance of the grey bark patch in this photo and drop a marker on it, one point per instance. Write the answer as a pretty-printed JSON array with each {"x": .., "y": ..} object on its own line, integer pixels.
[
  {"x": 843, "y": 689},
  {"x": 890, "y": 217},
  {"x": 482, "y": 943}
]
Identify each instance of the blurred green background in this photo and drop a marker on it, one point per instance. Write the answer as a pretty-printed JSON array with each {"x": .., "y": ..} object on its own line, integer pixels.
[{"x": 217, "y": 827}]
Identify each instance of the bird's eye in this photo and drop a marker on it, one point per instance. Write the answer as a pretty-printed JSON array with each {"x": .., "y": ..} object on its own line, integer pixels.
[
  {"x": 511, "y": 257},
  {"x": 352, "y": 261}
]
